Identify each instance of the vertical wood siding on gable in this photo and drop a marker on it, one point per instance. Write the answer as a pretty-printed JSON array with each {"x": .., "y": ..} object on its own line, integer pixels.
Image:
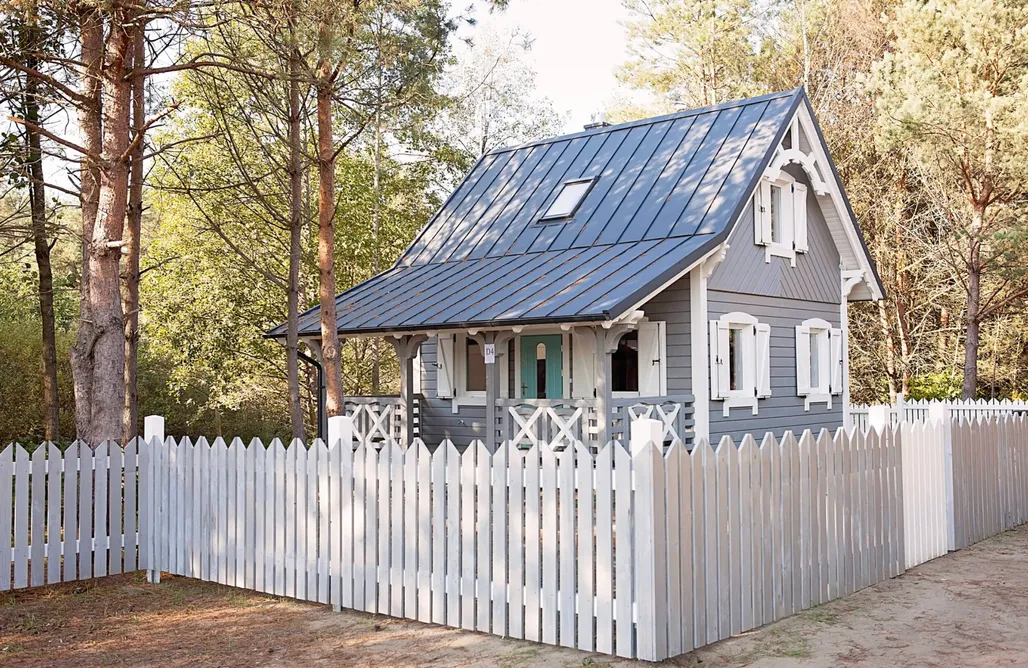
[
  {"x": 782, "y": 411},
  {"x": 815, "y": 276}
]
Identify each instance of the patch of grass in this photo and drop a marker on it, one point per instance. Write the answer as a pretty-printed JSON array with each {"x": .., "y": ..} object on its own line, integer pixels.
[
  {"x": 821, "y": 615},
  {"x": 519, "y": 655}
]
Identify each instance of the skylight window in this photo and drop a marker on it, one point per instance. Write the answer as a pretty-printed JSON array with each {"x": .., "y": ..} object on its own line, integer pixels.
[{"x": 568, "y": 199}]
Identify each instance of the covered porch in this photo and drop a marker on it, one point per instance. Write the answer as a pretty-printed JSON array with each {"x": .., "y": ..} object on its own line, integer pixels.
[{"x": 527, "y": 384}]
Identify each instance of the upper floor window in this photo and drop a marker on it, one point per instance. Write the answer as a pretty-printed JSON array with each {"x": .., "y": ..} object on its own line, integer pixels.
[
  {"x": 568, "y": 199},
  {"x": 780, "y": 217}
]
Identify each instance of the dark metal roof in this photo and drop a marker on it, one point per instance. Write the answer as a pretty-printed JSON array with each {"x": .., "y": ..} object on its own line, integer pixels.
[{"x": 667, "y": 191}]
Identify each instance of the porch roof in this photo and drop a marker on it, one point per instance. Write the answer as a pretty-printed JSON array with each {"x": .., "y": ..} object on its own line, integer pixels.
[
  {"x": 593, "y": 283},
  {"x": 664, "y": 192}
]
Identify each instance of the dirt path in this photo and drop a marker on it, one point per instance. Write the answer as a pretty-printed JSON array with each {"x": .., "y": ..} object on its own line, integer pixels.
[{"x": 966, "y": 609}]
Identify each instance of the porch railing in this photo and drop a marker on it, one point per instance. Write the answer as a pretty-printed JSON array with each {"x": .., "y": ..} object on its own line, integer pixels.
[
  {"x": 376, "y": 419},
  {"x": 674, "y": 411},
  {"x": 533, "y": 421}
]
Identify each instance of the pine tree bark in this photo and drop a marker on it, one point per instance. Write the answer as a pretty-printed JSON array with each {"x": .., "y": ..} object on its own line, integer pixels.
[
  {"x": 91, "y": 37},
  {"x": 972, "y": 321},
  {"x": 133, "y": 227},
  {"x": 37, "y": 205},
  {"x": 326, "y": 244},
  {"x": 108, "y": 391},
  {"x": 295, "y": 231}
]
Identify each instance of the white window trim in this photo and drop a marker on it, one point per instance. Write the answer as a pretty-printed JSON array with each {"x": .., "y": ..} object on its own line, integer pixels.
[
  {"x": 747, "y": 396},
  {"x": 787, "y": 247},
  {"x": 822, "y": 393}
]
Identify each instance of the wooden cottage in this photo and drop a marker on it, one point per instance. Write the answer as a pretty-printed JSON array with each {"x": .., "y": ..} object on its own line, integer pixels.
[{"x": 694, "y": 268}]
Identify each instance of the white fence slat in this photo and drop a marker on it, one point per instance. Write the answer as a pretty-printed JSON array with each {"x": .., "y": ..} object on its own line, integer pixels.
[
  {"x": 734, "y": 541},
  {"x": 71, "y": 493},
  {"x": 722, "y": 538},
  {"x": 533, "y": 563},
  {"x": 115, "y": 512},
  {"x": 242, "y": 488},
  {"x": 395, "y": 535},
  {"x": 673, "y": 546},
  {"x": 302, "y": 495},
  {"x": 21, "y": 517},
  {"x": 566, "y": 557},
  {"x": 605, "y": 549},
  {"x": 278, "y": 531},
  {"x": 743, "y": 559},
  {"x": 500, "y": 523},
  {"x": 515, "y": 549},
  {"x": 686, "y": 551},
  {"x": 252, "y": 492},
  {"x": 453, "y": 534},
  {"x": 7, "y": 506},
  {"x": 467, "y": 537},
  {"x": 360, "y": 528},
  {"x": 623, "y": 614},
  {"x": 131, "y": 505},
  {"x": 261, "y": 521},
  {"x": 586, "y": 550},
  {"x": 549, "y": 544},
  {"x": 37, "y": 532},
  {"x": 381, "y": 574},
  {"x": 424, "y": 519},
  {"x": 483, "y": 535},
  {"x": 317, "y": 584},
  {"x": 293, "y": 513},
  {"x": 439, "y": 583},
  {"x": 55, "y": 467},
  {"x": 100, "y": 459},
  {"x": 411, "y": 532}
]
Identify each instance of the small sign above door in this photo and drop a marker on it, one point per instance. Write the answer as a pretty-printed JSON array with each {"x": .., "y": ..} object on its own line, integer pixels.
[{"x": 490, "y": 353}]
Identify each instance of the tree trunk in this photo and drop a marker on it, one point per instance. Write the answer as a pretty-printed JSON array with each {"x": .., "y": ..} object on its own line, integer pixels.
[
  {"x": 376, "y": 213},
  {"x": 108, "y": 391},
  {"x": 890, "y": 350},
  {"x": 295, "y": 231},
  {"x": 326, "y": 247},
  {"x": 133, "y": 227},
  {"x": 37, "y": 203},
  {"x": 89, "y": 114},
  {"x": 972, "y": 322}
]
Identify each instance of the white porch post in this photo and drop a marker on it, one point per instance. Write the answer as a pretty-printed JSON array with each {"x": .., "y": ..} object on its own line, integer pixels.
[
  {"x": 849, "y": 280},
  {"x": 603, "y": 395},
  {"x": 406, "y": 347},
  {"x": 699, "y": 349},
  {"x": 499, "y": 341}
]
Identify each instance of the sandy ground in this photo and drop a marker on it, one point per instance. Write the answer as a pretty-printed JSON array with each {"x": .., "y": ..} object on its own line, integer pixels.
[{"x": 966, "y": 609}]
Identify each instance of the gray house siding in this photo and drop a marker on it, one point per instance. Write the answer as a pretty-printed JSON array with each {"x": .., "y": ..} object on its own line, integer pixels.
[
  {"x": 672, "y": 306},
  {"x": 782, "y": 296},
  {"x": 438, "y": 421}
]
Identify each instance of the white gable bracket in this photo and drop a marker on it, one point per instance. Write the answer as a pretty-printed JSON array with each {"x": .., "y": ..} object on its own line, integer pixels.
[{"x": 804, "y": 160}]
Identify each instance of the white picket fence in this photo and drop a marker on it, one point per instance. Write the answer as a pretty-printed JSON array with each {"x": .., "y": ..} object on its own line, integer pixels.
[
  {"x": 863, "y": 416},
  {"x": 627, "y": 551},
  {"x": 70, "y": 515}
]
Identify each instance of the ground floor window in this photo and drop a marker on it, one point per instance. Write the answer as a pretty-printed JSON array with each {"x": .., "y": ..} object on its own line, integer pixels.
[{"x": 625, "y": 364}]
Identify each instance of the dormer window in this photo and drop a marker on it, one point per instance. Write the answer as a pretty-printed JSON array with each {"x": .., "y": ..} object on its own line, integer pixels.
[
  {"x": 569, "y": 198},
  {"x": 780, "y": 217}
]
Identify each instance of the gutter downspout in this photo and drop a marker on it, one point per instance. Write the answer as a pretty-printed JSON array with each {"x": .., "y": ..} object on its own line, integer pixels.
[{"x": 322, "y": 423}]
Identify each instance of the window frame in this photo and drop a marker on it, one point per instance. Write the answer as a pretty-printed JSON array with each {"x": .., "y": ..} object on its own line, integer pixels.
[
  {"x": 749, "y": 393},
  {"x": 792, "y": 241},
  {"x": 548, "y": 217},
  {"x": 820, "y": 332}
]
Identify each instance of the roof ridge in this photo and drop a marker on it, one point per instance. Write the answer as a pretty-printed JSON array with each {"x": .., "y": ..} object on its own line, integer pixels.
[{"x": 684, "y": 113}]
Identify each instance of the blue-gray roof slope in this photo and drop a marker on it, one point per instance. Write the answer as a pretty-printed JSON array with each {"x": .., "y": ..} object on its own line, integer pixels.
[{"x": 666, "y": 192}]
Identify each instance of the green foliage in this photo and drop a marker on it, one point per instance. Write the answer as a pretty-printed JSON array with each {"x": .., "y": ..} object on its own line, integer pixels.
[
  {"x": 21, "y": 382},
  {"x": 936, "y": 386}
]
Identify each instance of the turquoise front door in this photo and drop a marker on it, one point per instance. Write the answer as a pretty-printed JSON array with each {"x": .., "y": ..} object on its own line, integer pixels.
[{"x": 542, "y": 362}]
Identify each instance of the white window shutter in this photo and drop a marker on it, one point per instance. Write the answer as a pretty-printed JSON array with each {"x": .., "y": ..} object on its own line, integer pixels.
[
  {"x": 720, "y": 380},
  {"x": 583, "y": 364},
  {"x": 836, "y": 361},
  {"x": 762, "y": 214},
  {"x": 651, "y": 361},
  {"x": 417, "y": 372},
  {"x": 799, "y": 199},
  {"x": 802, "y": 360},
  {"x": 445, "y": 375},
  {"x": 763, "y": 336}
]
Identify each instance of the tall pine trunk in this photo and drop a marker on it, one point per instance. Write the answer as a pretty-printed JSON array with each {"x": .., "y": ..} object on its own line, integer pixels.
[
  {"x": 108, "y": 391},
  {"x": 89, "y": 114},
  {"x": 972, "y": 321},
  {"x": 295, "y": 231},
  {"x": 37, "y": 204},
  {"x": 133, "y": 227},
  {"x": 326, "y": 246}
]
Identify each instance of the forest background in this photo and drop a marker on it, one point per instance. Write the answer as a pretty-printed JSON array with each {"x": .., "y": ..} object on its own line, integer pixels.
[{"x": 182, "y": 175}]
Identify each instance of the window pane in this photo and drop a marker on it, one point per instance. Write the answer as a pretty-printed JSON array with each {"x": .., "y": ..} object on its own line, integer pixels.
[
  {"x": 567, "y": 201},
  {"x": 475, "y": 365},
  {"x": 776, "y": 214},
  {"x": 624, "y": 364},
  {"x": 540, "y": 371},
  {"x": 734, "y": 358},
  {"x": 815, "y": 359}
]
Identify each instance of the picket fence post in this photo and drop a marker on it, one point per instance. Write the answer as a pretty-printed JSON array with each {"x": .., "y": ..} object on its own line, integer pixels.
[
  {"x": 940, "y": 412},
  {"x": 153, "y": 436},
  {"x": 878, "y": 417},
  {"x": 651, "y": 583},
  {"x": 340, "y": 435}
]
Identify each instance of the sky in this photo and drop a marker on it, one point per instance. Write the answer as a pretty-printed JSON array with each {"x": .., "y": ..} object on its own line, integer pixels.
[{"x": 577, "y": 48}]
